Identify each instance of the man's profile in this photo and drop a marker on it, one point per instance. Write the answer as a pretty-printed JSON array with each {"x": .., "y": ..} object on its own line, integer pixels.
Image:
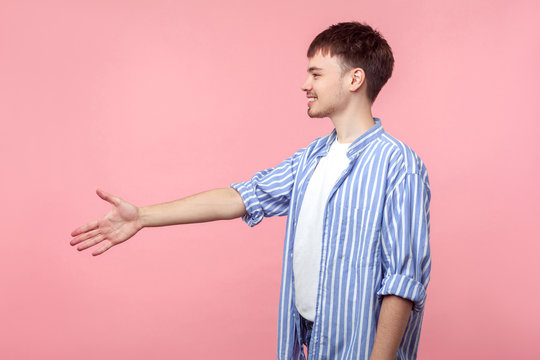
[{"x": 356, "y": 251}]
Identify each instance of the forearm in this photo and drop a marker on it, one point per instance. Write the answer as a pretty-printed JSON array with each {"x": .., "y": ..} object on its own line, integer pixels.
[
  {"x": 393, "y": 318},
  {"x": 216, "y": 204}
]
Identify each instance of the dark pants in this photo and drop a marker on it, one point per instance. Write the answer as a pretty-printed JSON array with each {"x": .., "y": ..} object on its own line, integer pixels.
[{"x": 305, "y": 331}]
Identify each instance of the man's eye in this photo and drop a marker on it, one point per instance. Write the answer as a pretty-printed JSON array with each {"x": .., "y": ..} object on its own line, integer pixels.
[{"x": 316, "y": 75}]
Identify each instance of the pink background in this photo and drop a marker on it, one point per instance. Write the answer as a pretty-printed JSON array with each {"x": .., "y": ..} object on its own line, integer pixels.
[{"x": 156, "y": 100}]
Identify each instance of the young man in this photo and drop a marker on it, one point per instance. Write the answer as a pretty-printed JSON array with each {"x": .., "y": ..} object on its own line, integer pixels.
[{"x": 356, "y": 258}]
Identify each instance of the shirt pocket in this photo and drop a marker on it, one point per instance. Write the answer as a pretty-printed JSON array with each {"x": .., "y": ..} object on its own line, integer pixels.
[{"x": 367, "y": 239}]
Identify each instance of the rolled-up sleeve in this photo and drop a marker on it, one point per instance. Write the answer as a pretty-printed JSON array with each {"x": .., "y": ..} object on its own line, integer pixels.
[
  {"x": 269, "y": 191},
  {"x": 406, "y": 258}
]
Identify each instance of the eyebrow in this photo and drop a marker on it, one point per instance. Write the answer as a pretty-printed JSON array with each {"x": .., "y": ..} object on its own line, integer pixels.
[{"x": 314, "y": 68}]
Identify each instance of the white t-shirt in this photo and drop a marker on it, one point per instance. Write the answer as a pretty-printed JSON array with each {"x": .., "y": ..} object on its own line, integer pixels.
[{"x": 309, "y": 231}]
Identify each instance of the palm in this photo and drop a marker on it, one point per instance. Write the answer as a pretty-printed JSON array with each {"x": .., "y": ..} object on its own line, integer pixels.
[{"x": 120, "y": 224}]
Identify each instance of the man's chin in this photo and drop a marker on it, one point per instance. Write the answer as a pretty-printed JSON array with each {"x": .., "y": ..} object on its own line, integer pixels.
[{"x": 315, "y": 115}]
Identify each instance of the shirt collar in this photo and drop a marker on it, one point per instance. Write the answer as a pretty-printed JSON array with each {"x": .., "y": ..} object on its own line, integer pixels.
[{"x": 357, "y": 145}]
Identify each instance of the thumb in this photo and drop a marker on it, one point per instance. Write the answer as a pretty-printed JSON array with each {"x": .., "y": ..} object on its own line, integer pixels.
[{"x": 108, "y": 197}]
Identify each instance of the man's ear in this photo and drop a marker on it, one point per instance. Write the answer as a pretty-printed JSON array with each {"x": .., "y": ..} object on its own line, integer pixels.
[{"x": 358, "y": 77}]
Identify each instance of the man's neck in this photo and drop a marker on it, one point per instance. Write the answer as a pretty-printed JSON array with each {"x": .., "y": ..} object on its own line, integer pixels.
[{"x": 352, "y": 123}]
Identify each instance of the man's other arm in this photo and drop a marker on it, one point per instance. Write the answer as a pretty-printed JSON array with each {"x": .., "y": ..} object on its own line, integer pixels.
[{"x": 395, "y": 312}]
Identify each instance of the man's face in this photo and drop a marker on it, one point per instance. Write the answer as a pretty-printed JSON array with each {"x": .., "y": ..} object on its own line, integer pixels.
[{"x": 325, "y": 87}]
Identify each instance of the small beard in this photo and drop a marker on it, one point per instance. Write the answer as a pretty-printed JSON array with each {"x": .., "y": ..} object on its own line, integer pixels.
[
  {"x": 314, "y": 116},
  {"x": 321, "y": 114}
]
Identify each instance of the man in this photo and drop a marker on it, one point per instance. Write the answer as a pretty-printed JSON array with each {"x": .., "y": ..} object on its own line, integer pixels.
[{"x": 356, "y": 260}]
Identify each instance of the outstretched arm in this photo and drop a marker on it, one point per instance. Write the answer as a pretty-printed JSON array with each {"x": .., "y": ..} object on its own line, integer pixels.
[
  {"x": 126, "y": 219},
  {"x": 217, "y": 204}
]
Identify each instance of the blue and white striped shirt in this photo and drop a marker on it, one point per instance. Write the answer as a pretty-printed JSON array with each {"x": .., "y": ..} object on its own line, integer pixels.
[{"x": 375, "y": 242}]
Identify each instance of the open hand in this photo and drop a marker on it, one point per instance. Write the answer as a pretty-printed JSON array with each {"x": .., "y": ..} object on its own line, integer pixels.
[{"x": 121, "y": 223}]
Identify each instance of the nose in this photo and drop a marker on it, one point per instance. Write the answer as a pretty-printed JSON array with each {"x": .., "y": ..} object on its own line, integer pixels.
[{"x": 306, "y": 86}]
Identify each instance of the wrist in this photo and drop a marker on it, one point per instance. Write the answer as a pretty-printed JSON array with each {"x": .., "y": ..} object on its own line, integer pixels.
[{"x": 141, "y": 218}]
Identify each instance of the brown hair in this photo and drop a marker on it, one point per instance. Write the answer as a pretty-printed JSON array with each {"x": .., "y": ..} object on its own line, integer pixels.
[{"x": 357, "y": 45}]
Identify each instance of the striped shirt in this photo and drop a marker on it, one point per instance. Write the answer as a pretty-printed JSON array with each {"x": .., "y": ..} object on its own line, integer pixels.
[{"x": 375, "y": 242}]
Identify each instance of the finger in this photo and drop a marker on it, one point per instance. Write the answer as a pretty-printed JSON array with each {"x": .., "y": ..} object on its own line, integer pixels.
[
  {"x": 90, "y": 242},
  {"x": 108, "y": 197},
  {"x": 84, "y": 236},
  {"x": 106, "y": 246},
  {"x": 87, "y": 227}
]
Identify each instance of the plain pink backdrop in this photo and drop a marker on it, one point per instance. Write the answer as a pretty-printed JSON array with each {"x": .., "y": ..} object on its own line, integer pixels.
[{"x": 156, "y": 100}]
